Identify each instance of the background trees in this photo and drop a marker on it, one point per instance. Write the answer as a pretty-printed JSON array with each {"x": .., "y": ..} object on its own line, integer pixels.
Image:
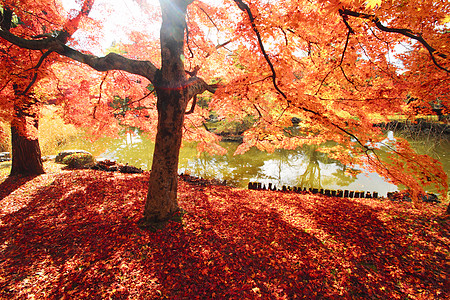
[
  {"x": 336, "y": 65},
  {"x": 22, "y": 69}
]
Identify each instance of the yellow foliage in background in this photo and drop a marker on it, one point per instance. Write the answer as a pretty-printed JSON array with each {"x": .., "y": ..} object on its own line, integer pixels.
[
  {"x": 5, "y": 137},
  {"x": 53, "y": 133},
  {"x": 373, "y": 3}
]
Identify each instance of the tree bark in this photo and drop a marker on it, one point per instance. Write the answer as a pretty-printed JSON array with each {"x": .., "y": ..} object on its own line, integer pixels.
[
  {"x": 26, "y": 153},
  {"x": 162, "y": 201},
  {"x": 172, "y": 89}
]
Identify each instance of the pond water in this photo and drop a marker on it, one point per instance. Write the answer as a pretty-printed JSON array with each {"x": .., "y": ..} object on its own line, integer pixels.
[{"x": 302, "y": 167}]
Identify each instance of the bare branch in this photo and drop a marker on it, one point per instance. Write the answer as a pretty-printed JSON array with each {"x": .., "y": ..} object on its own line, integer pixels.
[
  {"x": 196, "y": 86},
  {"x": 112, "y": 61},
  {"x": 402, "y": 31},
  {"x": 210, "y": 19},
  {"x": 99, "y": 96},
  {"x": 194, "y": 102},
  {"x": 223, "y": 44},
  {"x": 41, "y": 60},
  {"x": 244, "y": 7}
]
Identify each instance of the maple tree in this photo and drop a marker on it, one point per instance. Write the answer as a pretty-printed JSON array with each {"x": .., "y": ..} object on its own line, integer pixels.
[
  {"x": 21, "y": 69},
  {"x": 330, "y": 63}
]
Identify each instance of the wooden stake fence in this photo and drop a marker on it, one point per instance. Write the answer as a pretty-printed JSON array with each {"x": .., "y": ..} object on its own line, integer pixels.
[{"x": 326, "y": 192}]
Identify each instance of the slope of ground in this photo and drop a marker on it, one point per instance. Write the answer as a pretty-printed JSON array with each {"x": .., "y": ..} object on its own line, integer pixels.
[{"x": 72, "y": 235}]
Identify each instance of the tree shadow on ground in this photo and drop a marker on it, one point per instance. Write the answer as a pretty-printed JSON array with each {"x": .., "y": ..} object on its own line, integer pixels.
[
  {"x": 12, "y": 183},
  {"x": 66, "y": 238},
  {"x": 339, "y": 249},
  {"x": 78, "y": 239},
  {"x": 389, "y": 247},
  {"x": 225, "y": 257}
]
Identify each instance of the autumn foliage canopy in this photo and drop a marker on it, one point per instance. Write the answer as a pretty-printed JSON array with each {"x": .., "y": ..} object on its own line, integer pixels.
[{"x": 338, "y": 66}]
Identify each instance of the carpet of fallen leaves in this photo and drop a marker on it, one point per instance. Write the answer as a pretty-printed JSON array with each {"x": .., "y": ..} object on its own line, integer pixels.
[{"x": 73, "y": 235}]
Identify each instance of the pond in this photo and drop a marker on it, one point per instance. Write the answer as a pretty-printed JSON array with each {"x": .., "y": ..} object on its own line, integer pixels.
[{"x": 302, "y": 167}]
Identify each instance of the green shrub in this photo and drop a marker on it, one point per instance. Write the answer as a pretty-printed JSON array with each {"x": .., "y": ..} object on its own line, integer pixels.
[{"x": 79, "y": 160}]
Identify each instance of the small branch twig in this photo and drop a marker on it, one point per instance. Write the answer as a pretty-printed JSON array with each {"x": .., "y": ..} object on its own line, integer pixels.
[
  {"x": 100, "y": 95},
  {"x": 245, "y": 8},
  {"x": 194, "y": 102},
  {"x": 403, "y": 31},
  {"x": 41, "y": 60}
]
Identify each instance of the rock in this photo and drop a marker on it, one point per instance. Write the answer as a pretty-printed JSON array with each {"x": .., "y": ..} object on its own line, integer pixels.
[
  {"x": 405, "y": 196},
  {"x": 295, "y": 121},
  {"x": 49, "y": 158},
  {"x": 5, "y": 156},
  {"x": 112, "y": 166},
  {"x": 106, "y": 165},
  {"x": 59, "y": 158},
  {"x": 430, "y": 197},
  {"x": 130, "y": 169},
  {"x": 79, "y": 160}
]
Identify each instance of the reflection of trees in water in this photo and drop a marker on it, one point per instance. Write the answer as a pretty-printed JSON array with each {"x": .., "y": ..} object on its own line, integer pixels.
[
  {"x": 341, "y": 177},
  {"x": 311, "y": 177},
  {"x": 233, "y": 168},
  {"x": 279, "y": 167}
]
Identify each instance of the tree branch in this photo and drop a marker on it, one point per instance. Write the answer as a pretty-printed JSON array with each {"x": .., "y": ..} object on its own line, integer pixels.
[
  {"x": 6, "y": 18},
  {"x": 244, "y": 7},
  {"x": 72, "y": 24},
  {"x": 196, "y": 86},
  {"x": 99, "y": 96},
  {"x": 33, "y": 80},
  {"x": 194, "y": 102},
  {"x": 402, "y": 31},
  {"x": 112, "y": 61}
]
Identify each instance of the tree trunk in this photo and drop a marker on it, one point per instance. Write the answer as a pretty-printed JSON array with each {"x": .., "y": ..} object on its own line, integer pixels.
[
  {"x": 26, "y": 153},
  {"x": 162, "y": 191},
  {"x": 171, "y": 89}
]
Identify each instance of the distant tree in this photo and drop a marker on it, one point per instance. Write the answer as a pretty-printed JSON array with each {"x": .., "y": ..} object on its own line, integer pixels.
[
  {"x": 328, "y": 62},
  {"x": 21, "y": 68}
]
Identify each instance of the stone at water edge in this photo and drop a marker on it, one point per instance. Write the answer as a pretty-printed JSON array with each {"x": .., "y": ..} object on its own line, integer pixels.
[
  {"x": 59, "y": 158},
  {"x": 5, "y": 156}
]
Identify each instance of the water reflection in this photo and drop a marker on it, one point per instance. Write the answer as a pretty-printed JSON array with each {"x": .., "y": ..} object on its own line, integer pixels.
[{"x": 303, "y": 167}]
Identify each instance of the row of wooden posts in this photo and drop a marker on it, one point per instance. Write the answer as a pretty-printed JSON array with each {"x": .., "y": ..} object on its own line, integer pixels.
[{"x": 326, "y": 192}]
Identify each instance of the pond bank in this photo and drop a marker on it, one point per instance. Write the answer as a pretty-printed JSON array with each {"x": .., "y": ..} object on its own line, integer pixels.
[{"x": 420, "y": 126}]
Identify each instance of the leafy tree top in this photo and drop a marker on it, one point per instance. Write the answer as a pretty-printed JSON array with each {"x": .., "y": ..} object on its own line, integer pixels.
[{"x": 339, "y": 66}]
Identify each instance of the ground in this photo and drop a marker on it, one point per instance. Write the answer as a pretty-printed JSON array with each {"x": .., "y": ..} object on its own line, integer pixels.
[{"x": 73, "y": 235}]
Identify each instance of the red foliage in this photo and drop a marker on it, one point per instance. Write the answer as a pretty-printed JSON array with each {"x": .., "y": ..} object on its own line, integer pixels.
[{"x": 73, "y": 235}]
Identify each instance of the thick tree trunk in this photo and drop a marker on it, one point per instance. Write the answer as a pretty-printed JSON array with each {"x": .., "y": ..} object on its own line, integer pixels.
[
  {"x": 26, "y": 153},
  {"x": 171, "y": 89},
  {"x": 162, "y": 192}
]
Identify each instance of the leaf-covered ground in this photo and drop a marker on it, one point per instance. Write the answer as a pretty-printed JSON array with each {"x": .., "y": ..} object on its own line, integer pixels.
[{"x": 72, "y": 235}]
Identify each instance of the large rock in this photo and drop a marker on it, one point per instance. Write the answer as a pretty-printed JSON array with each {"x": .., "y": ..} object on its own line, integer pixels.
[{"x": 59, "y": 158}]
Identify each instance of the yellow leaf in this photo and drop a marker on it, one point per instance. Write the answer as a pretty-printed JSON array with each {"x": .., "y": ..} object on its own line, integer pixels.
[
  {"x": 372, "y": 3},
  {"x": 445, "y": 20}
]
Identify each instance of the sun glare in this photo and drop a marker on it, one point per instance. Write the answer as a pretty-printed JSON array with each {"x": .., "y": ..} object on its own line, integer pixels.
[{"x": 119, "y": 18}]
